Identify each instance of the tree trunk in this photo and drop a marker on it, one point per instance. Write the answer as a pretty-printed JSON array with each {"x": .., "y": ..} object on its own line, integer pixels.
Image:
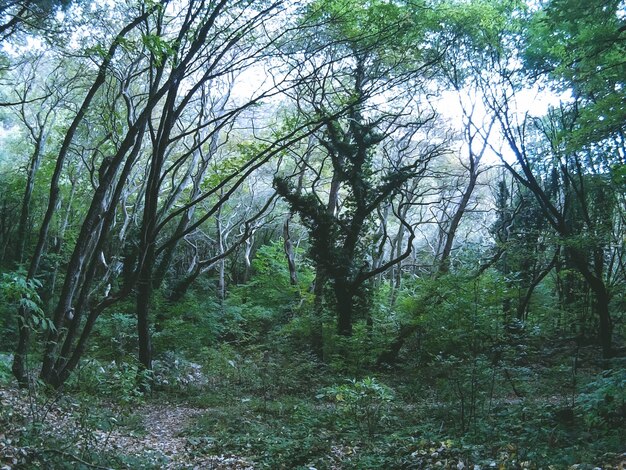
[
  {"x": 602, "y": 298},
  {"x": 33, "y": 167},
  {"x": 19, "y": 361},
  {"x": 22, "y": 349},
  {"x": 601, "y": 302},
  {"x": 396, "y": 281},
  {"x": 221, "y": 267},
  {"x": 247, "y": 258},
  {"x": 444, "y": 262},
  {"x": 144, "y": 296},
  {"x": 344, "y": 299},
  {"x": 317, "y": 335},
  {"x": 90, "y": 235},
  {"x": 390, "y": 355},
  {"x": 168, "y": 255},
  {"x": 288, "y": 248},
  {"x": 524, "y": 302}
]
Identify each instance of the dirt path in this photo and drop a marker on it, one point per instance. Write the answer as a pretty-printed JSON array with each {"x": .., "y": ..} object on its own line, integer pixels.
[
  {"x": 158, "y": 437},
  {"x": 164, "y": 425}
]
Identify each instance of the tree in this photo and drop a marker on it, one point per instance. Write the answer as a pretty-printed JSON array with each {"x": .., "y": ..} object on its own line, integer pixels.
[
  {"x": 19, "y": 368},
  {"x": 161, "y": 137},
  {"x": 369, "y": 58},
  {"x": 15, "y": 14},
  {"x": 579, "y": 46},
  {"x": 528, "y": 249},
  {"x": 538, "y": 152},
  {"x": 574, "y": 212},
  {"x": 164, "y": 87},
  {"x": 542, "y": 151}
]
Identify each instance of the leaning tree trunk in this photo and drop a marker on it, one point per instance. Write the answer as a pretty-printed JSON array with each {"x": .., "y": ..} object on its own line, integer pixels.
[
  {"x": 33, "y": 168},
  {"x": 76, "y": 291},
  {"x": 524, "y": 302}
]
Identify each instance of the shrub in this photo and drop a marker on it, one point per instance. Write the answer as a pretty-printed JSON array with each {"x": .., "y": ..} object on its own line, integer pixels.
[
  {"x": 603, "y": 401},
  {"x": 5, "y": 368},
  {"x": 365, "y": 402},
  {"x": 16, "y": 290},
  {"x": 122, "y": 381}
]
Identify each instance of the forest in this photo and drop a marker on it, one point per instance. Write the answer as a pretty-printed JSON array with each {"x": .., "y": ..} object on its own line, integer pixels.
[{"x": 313, "y": 234}]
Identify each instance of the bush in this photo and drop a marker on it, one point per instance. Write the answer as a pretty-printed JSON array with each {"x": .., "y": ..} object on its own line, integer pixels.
[
  {"x": 188, "y": 325},
  {"x": 124, "y": 382},
  {"x": 602, "y": 403},
  {"x": 17, "y": 291},
  {"x": 365, "y": 402},
  {"x": 5, "y": 368},
  {"x": 116, "y": 337}
]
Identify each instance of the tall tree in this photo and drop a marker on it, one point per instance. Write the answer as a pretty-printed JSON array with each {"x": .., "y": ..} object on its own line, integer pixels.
[
  {"x": 558, "y": 148},
  {"x": 368, "y": 49},
  {"x": 19, "y": 366}
]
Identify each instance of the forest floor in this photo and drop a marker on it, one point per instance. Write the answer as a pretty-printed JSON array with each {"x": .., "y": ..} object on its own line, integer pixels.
[
  {"x": 255, "y": 417},
  {"x": 155, "y": 433}
]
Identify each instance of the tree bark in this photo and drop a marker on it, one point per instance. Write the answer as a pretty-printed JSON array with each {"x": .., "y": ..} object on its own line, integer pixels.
[
  {"x": 33, "y": 168},
  {"x": 344, "y": 298},
  {"x": 288, "y": 248},
  {"x": 144, "y": 296}
]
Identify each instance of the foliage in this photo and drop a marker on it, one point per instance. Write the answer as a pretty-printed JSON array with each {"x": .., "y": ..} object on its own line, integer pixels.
[
  {"x": 288, "y": 434},
  {"x": 17, "y": 291},
  {"x": 115, "y": 338},
  {"x": 580, "y": 44},
  {"x": 603, "y": 401},
  {"x": 193, "y": 323},
  {"x": 457, "y": 315},
  {"x": 5, "y": 369},
  {"x": 364, "y": 402},
  {"x": 269, "y": 300},
  {"x": 123, "y": 381},
  {"x": 371, "y": 24},
  {"x": 350, "y": 356}
]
